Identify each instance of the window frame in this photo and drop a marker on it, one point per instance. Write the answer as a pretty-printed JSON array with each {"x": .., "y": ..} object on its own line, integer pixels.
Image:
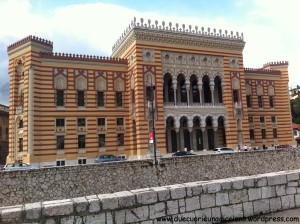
[
  {"x": 60, "y": 99},
  {"x": 103, "y": 140},
  {"x": 100, "y": 99},
  {"x": 263, "y": 134},
  {"x": 120, "y": 139},
  {"x": 120, "y": 119},
  {"x": 101, "y": 119},
  {"x": 251, "y": 134},
  {"x": 275, "y": 133},
  {"x": 57, "y": 123},
  {"x": 81, "y": 140},
  {"x": 60, "y": 162},
  {"x": 260, "y": 101},
  {"x": 79, "y": 122},
  {"x": 81, "y": 161},
  {"x": 80, "y": 99},
  {"x": 119, "y": 99},
  {"x": 60, "y": 145}
]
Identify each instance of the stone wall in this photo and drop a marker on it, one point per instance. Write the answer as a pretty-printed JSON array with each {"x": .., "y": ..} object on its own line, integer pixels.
[
  {"x": 221, "y": 200},
  {"x": 46, "y": 184}
]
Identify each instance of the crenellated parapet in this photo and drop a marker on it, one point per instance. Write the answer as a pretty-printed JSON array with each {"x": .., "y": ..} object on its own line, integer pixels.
[
  {"x": 262, "y": 70},
  {"x": 80, "y": 57},
  {"x": 276, "y": 63},
  {"x": 181, "y": 32},
  {"x": 30, "y": 39}
]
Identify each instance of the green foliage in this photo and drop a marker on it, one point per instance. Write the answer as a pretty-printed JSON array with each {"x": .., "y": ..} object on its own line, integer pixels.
[{"x": 295, "y": 110}]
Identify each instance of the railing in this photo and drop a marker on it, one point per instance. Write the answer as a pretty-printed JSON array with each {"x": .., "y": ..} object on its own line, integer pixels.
[{"x": 195, "y": 105}]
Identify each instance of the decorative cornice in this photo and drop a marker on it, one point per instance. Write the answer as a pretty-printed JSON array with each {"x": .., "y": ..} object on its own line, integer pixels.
[
  {"x": 30, "y": 39},
  {"x": 209, "y": 38},
  {"x": 77, "y": 57},
  {"x": 262, "y": 71},
  {"x": 276, "y": 63}
]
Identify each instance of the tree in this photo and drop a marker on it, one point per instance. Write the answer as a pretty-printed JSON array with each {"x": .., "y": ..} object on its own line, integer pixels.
[{"x": 295, "y": 104}]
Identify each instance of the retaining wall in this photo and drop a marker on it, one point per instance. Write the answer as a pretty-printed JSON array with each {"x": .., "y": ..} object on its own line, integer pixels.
[
  {"x": 219, "y": 200},
  {"x": 46, "y": 184}
]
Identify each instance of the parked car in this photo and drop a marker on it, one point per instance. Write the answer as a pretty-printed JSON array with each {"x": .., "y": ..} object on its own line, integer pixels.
[
  {"x": 183, "y": 153},
  {"x": 108, "y": 158},
  {"x": 17, "y": 166},
  {"x": 287, "y": 146},
  {"x": 224, "y": 150}
]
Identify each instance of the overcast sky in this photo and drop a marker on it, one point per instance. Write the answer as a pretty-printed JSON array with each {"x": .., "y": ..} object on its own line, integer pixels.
[{"x": 270, "y": 27}]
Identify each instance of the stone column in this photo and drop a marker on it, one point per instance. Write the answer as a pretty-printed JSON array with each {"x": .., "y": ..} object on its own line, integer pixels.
[
  {"x": 205, "y": 139},
  {"x": 212, "y": 88},
  {"x": 200, "y": 92},
  {"x": 194, "y": 139},
  {"x": 187, "y": 86},
  {"x": 216, "y": 136},
  {"x": 30, "y": 111},
  {"x": 174, "y": 83},
  {"x": 191, "y": 138},
  {"x": 178, "y": 138}
]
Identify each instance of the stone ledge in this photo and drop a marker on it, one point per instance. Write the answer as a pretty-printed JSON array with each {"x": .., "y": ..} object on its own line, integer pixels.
[{"x": 231, "y": 197}]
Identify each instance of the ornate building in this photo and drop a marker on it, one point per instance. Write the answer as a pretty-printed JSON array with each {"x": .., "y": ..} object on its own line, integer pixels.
[
  {"x": 4, "y": 121},
  {"x": 67, "y": 109}
]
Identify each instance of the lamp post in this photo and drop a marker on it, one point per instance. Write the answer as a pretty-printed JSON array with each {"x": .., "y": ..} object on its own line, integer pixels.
[{"x": 151, "y": 98}]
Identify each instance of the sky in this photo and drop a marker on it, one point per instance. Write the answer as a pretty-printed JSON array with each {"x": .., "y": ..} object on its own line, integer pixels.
[{"x": 270, "y": 27}]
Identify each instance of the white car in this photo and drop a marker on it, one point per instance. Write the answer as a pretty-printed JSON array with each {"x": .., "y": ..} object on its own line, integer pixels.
[
  {"x": 224, "y": 150},
  {"x": 17, "y": 166}
]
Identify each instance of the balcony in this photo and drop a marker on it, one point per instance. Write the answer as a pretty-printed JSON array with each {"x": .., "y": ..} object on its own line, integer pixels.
[{"x": 192, "y": 105}]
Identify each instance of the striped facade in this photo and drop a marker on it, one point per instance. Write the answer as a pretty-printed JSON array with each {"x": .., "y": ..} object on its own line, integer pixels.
[{"x": 67, "y": 109}]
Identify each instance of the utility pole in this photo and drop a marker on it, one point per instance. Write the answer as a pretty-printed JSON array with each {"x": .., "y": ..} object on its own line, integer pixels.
[{"x": 151, "y": 98}]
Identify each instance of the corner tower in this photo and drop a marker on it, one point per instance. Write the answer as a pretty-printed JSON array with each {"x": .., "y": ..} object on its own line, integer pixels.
[{"x": 23, "y": 63}]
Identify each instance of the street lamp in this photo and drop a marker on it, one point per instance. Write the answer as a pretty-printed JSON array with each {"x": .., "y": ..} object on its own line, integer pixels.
[{"x": 150, "y": 97}]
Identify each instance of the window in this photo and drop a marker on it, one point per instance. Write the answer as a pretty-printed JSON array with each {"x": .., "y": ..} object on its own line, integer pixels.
[
  {"x": 260, "y": 101},
  {"x": 250, "y": 120},
  {"x": 263, "y": 133},
  {"x": 295, "y": 133},
  {"x": 271, "y": 101},
  {"x": 235, "y": 95},
  {"x": 60, "y": 98},
  {"x": 82, "y": 161},
  {"x": 100, "y": 99},
  {"x": 120, "y": 121},
  {"x": 6, "y": 133},
  {"x": 81, "y": 141},
  {"x": 60, "y": 162},
  {"x": 101, "y": 140},
  {"x": 21, "y": 144},
  {"x": 119, "y": 99},
  {"x": 262, "y": 119},
  {"x": 251, "y": 132},
  {"x": 273, "y": 118},
  {"x": 60, "y": 122},
  {"x": 21, "y": 124},
  {"x": 120, "y": 139},
  {"x": 249, "y": 101},
  {"x": 101, "y": 121},
  {"x": 22, "y": 99},
  {"x": 60, "y": 142},
  {"x": 274, "y": 133},
  {"x": 80, "y": 99},
  {"x": 81, "y": 122}
]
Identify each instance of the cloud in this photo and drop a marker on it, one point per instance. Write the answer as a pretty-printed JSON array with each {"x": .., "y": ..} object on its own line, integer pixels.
[{"x": 93, "y": 28}]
